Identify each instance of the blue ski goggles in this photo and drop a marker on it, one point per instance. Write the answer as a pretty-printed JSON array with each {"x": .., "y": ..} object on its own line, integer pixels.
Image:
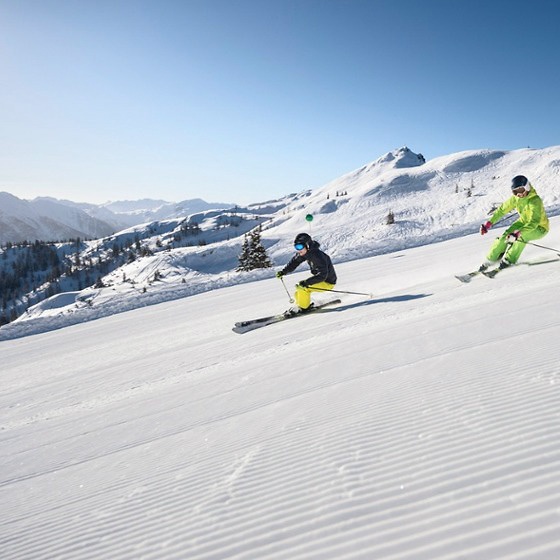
[{"x": 299, "y": 246}]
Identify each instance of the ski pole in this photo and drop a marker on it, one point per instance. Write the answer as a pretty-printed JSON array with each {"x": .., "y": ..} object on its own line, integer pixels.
[
  {"x": 291, "y": 299},
  {"x": 540, "y": 246},
  {"x": 342, "y": 292}
]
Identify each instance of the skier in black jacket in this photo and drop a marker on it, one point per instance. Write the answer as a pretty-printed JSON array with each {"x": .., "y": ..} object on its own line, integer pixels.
[{"x": 322, "y": 269}]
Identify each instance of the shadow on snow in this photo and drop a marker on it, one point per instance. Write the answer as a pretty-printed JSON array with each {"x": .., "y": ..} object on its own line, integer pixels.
[{"x": 404, "y": 297}]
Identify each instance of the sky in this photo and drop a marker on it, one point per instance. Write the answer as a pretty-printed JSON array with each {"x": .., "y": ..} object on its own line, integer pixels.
[{"x": 243, "y": 101}]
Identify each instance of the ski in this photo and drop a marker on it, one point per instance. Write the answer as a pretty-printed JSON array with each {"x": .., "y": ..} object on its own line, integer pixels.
[
  {"x": 492, "y": 273},
  {"x": 540, "y": 261},
  {"x": 466, "y": 278},
  {"x": 252, "y": 324}
]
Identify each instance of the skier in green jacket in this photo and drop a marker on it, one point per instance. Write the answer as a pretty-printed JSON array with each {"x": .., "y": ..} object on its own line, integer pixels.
[{"x": 531, "y": 224}]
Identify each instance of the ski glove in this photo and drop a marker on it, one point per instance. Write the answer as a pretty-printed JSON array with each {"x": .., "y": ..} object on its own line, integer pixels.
[
  {"x": 513, "y": 236},
  {"x": 279, "y": 274},
  {"x": 303, "y": 284},
  {"x": 485, "y": 227}
]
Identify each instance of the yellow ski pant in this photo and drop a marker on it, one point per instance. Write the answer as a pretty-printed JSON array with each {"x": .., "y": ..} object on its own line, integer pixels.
[{"x": 303, "y": 295}]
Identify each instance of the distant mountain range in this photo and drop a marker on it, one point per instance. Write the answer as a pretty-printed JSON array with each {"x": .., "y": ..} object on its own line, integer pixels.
[{"x": 50, "y": 219}]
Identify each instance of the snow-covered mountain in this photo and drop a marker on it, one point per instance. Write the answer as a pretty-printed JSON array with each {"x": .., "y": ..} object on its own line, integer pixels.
[
  {"x": 431, "y": 201},
  {"x": 443, "y": 198},
  {"x": 149, "y": 210},
  {"x": 51, "y": 219},
  {"x": 115, "y": 220},
  {"x": 46, "y": 219},
  {"x": 132, "y": 206}
]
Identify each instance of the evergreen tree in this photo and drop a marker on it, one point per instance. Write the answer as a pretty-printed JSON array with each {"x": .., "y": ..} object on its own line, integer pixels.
[
  {"x": 244, "y": 256},
  {"x": 253, "y": 254},
  {"x": 259, "y": 258}
]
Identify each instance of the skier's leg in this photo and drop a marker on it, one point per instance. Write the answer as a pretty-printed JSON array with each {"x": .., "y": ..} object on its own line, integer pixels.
[
  {"x": 497, "y": 249},
  {"x": 303, "y": 295},
  {"x": 514, "y": 252}
]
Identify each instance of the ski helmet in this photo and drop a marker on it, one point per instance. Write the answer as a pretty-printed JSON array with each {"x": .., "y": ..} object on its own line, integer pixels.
[
  {"x": 303, "y": 239},
  {"x": 520, "y": 181}
]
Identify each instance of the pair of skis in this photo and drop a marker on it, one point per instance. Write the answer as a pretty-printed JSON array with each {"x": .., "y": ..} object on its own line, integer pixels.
[
  {"x": 466, "y": 278},
  {"x": 246, "y": 326}
]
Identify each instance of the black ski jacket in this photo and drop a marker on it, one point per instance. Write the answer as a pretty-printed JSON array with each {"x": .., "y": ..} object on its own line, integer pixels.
[{"x": 320, "y": 264}]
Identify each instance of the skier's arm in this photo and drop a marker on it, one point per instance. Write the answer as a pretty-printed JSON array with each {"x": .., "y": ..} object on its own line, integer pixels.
[
  {"x": 504, "y": 209},
  {"x": 292, "y": 265}
]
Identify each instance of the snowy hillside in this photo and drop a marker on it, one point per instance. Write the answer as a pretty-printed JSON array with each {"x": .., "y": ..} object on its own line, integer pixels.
[
  {"x": 421, "y": 425},
  {"x": 128, "y": 262},
  {"x": 431, "y": 201},
  {"x": 441, "y": 199}
]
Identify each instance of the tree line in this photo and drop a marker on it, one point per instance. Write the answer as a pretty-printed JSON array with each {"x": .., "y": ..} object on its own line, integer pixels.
[{"x": 32, "y": 272}]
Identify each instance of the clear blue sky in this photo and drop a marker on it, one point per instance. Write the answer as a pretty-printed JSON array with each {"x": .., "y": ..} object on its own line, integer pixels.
[{"x": 245, "y": 100}]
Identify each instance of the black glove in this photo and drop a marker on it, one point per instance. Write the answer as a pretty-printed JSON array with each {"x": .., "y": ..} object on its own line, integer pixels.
[
  {"x": 279, "y": 274},
  {"x": 303, "y": 284}
]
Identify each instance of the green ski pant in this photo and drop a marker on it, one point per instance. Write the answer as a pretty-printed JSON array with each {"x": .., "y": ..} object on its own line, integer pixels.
[{"x": 514, "y": 252}]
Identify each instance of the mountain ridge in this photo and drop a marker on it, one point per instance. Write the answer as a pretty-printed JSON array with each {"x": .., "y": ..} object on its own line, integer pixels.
[{"x": 50, "y": 219}]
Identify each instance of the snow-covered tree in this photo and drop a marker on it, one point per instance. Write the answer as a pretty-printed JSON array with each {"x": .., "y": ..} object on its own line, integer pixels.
[{"x": 253, "y": 254}]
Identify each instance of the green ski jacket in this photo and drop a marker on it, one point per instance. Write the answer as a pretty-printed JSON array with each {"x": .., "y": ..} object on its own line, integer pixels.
[{"x": 531, "y": 212}]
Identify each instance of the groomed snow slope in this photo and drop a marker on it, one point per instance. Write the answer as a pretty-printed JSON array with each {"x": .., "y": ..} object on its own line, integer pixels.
[{"x": 424, "y": 424}]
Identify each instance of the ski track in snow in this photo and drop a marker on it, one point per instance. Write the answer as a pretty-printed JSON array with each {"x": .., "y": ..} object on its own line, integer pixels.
[{"x": 422, "y": 425}]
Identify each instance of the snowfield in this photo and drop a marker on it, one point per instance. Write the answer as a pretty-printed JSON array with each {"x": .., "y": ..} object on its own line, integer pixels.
[{"x": 423, "y": 424}]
